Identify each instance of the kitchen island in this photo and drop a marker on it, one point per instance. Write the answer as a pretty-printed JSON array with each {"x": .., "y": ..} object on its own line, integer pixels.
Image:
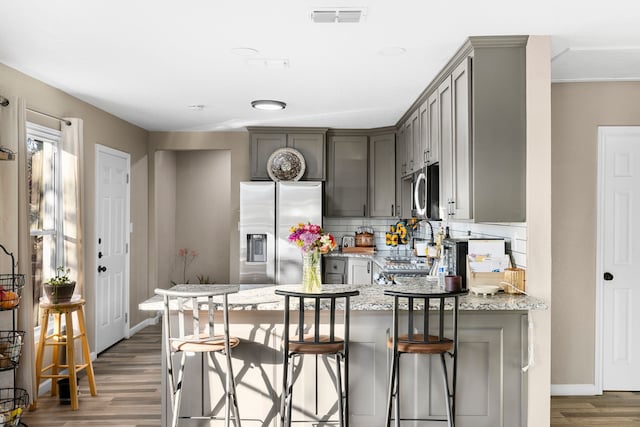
[{"x": 492, "y": 351}]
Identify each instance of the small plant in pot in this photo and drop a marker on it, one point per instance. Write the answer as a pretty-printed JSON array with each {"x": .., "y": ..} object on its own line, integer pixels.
[{"x": 59, "y": 289}]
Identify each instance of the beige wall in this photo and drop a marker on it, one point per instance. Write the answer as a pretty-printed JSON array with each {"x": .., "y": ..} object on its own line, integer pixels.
[
  {"x": 237, "y": 146},
  {"x": 577, "y": 110},
  {"x": 99, "y": 128},
  {"x": 194, "y": 189},
  {"x": 165, "y": 209}
]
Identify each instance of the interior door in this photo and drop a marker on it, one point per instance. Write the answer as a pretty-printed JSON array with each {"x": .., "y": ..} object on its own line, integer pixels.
[
  {"x": 112, "y": 251},
  {"x": 621, "y": 267}
]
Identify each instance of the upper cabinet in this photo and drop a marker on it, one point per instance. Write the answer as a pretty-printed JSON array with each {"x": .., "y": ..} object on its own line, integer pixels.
[
  {"x": 361, "y": 175},
  {"x": 309, "y": 142},
  {"x": 382, "y": 175},
  {"x": 346, "y": 186},
  {"x": 472, "y": 122}
]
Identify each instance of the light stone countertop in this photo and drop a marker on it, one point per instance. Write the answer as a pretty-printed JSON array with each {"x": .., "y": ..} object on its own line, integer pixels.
[{"x": 371, "y": 298}]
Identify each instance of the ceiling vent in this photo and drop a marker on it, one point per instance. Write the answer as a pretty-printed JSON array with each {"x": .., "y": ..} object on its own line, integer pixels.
[{"x": 340, "y": 16}]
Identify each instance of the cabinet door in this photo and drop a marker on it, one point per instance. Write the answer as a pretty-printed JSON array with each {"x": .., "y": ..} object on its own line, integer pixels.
[
  {"x": 423, "y": 120},
  {"x": 461, "y": 188},
  {"x": 408, "y": 145},
  {"x": 401, "y": 150},
  {"x": 416, "y": 158},
  {"x": 382, "y": 174},
  {"x": 446, "y": 149},
  {"x": 346, "y": 189},
  {"x": 262, "y": 146},
  {"x": 398, "y": 176},
  {"x": 359, "y": 272},
  {"x": 312, "y": 147},
  {"x": 433, "y": 129}
]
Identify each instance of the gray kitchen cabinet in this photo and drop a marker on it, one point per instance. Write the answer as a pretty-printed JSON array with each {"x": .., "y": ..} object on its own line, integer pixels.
[
  {"x": 401, "y": 151},
  {"x": 334, "y": 270},
  {"x": 431, "y": 132},
  {"x": 490, "y": 388},
  {"x": 310, "y": 142},
  {"x": 476, "y": 129},
  {"x": 412, "y": 143},
  {"x": 446, "y": 148},
  {"x": 460, "y": 139},
  {"x": 382, "y": 175},
  {"x": 312, "y": 147},
  {"x": 346, "y": 186},
  {"x": 262, "y": 146},
  {"x": 398, "y": 173},
  {"x": 359, "y": 271}
]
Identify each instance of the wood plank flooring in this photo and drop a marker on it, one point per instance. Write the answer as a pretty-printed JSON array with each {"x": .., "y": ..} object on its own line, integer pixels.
[
  {"x": 128, "y": 382},
  {"x": 619, "y": 408}
]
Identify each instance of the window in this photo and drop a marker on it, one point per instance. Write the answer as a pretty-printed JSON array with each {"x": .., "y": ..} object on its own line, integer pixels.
[{"x": 45, "y": 204}]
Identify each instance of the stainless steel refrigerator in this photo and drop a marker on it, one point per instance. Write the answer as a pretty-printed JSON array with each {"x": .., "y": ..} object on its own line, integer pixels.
[{"x": 267, "y": 211}]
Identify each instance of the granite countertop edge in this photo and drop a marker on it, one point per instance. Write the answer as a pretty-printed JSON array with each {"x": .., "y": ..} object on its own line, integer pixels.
[{"x": 371, "y": 298}]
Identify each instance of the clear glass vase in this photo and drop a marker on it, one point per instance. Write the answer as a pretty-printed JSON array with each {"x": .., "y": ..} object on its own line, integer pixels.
[{"x": 311, "y": 275}]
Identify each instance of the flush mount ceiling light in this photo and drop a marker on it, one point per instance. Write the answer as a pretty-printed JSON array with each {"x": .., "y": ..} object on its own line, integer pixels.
[
  {"x": 196, "y": 107},
  {"x": 268, "y": 104}
]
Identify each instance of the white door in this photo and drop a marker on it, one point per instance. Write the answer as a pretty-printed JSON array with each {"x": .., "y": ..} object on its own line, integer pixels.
[
  {"x": 112, "y": 250},
  {"x": 620, "y": 148}
]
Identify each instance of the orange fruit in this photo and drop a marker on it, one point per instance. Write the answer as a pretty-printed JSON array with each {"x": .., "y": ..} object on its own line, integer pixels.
[{"x": 9, "y": 299}]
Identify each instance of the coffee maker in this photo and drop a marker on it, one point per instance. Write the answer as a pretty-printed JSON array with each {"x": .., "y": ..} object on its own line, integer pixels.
[{"x": 455, "y": 252}]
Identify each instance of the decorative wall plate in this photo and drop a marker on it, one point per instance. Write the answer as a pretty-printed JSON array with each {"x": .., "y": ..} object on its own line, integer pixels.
[{"x": 286, "y": 164}]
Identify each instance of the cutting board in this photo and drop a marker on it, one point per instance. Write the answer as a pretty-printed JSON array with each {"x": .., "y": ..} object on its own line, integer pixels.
[{"x": 359, "y": 250}]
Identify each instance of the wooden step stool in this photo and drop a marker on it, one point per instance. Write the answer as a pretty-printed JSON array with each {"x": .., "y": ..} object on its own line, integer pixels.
[{"x": 57, "y": 339}]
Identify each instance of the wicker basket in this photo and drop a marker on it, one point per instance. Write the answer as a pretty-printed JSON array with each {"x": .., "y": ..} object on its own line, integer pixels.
[
  {"x": 11, "y": 286},
  {"x": 13, "y": 402},
  {"x": 10, "y": 349}
]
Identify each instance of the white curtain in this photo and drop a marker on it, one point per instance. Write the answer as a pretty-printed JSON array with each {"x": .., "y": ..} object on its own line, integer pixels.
[
  {"x": 14, "y": 228},
  {"x": 72, "y": 142}
]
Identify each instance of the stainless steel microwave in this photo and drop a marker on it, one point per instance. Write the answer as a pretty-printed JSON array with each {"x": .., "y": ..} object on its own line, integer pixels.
[{"x": 426, "y": 193}]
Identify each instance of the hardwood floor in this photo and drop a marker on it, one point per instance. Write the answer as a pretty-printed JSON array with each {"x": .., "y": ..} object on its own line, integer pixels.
[
  {"x": 620, "y": 409},
  {"x": 128, "y": 382}
]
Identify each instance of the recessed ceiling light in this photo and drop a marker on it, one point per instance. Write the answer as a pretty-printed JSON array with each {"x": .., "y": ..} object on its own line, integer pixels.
[
  {"x": 268, "y": 104},
  {"x": 392, "y": 51},
  {"x": 244, "y": 51},
  {"x": 196, "y": 107}
]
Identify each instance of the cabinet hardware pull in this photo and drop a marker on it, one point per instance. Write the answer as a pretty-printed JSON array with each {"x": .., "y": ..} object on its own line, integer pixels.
[
  {"x": 392, "y": 211},
  {"x": 364, "y": 210},
  {"x": 368, "y": 267}
]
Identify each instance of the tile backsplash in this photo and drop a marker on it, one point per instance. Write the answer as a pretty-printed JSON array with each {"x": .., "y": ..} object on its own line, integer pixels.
[{"x": 515, "y": 234}]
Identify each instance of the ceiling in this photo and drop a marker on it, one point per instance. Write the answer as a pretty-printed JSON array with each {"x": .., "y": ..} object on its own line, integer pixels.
[{"x": 147, "y": 61}]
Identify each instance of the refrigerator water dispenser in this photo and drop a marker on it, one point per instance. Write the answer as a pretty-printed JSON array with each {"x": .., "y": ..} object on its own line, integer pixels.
[{"x": 256, "y": 248}]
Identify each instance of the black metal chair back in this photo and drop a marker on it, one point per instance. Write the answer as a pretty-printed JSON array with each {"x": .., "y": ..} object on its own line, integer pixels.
[
  {"x": 418, "y": 307},
  {"x": 312, "y": 338}
]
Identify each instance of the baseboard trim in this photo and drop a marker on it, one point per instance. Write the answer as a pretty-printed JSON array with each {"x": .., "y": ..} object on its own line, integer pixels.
[
  {"x": 146, "y": 322},
  {"x": 574, "y": 390}
]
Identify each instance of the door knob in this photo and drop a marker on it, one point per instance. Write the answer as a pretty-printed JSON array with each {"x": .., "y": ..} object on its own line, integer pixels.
[
  {"x": 101, "y": 269},
  {"x": 608, "y": 276}
]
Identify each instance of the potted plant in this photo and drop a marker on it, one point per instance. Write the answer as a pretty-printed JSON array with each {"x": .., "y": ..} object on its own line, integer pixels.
[{"x": 59, "y": 289}]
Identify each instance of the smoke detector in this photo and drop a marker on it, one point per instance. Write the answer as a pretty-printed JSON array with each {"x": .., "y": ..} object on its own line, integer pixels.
[{"x": 338, "y": 16}]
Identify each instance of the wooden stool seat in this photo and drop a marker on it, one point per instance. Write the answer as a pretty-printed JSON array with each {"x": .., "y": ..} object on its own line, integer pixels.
[{"x": 67, "y": 339}]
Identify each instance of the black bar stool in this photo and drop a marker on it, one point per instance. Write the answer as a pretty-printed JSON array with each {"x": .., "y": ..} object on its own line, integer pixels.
[
  {"x": 193, "y": 336},
  {"x": 417, "y": 302},
  {"x": 314, "y": 342}
]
